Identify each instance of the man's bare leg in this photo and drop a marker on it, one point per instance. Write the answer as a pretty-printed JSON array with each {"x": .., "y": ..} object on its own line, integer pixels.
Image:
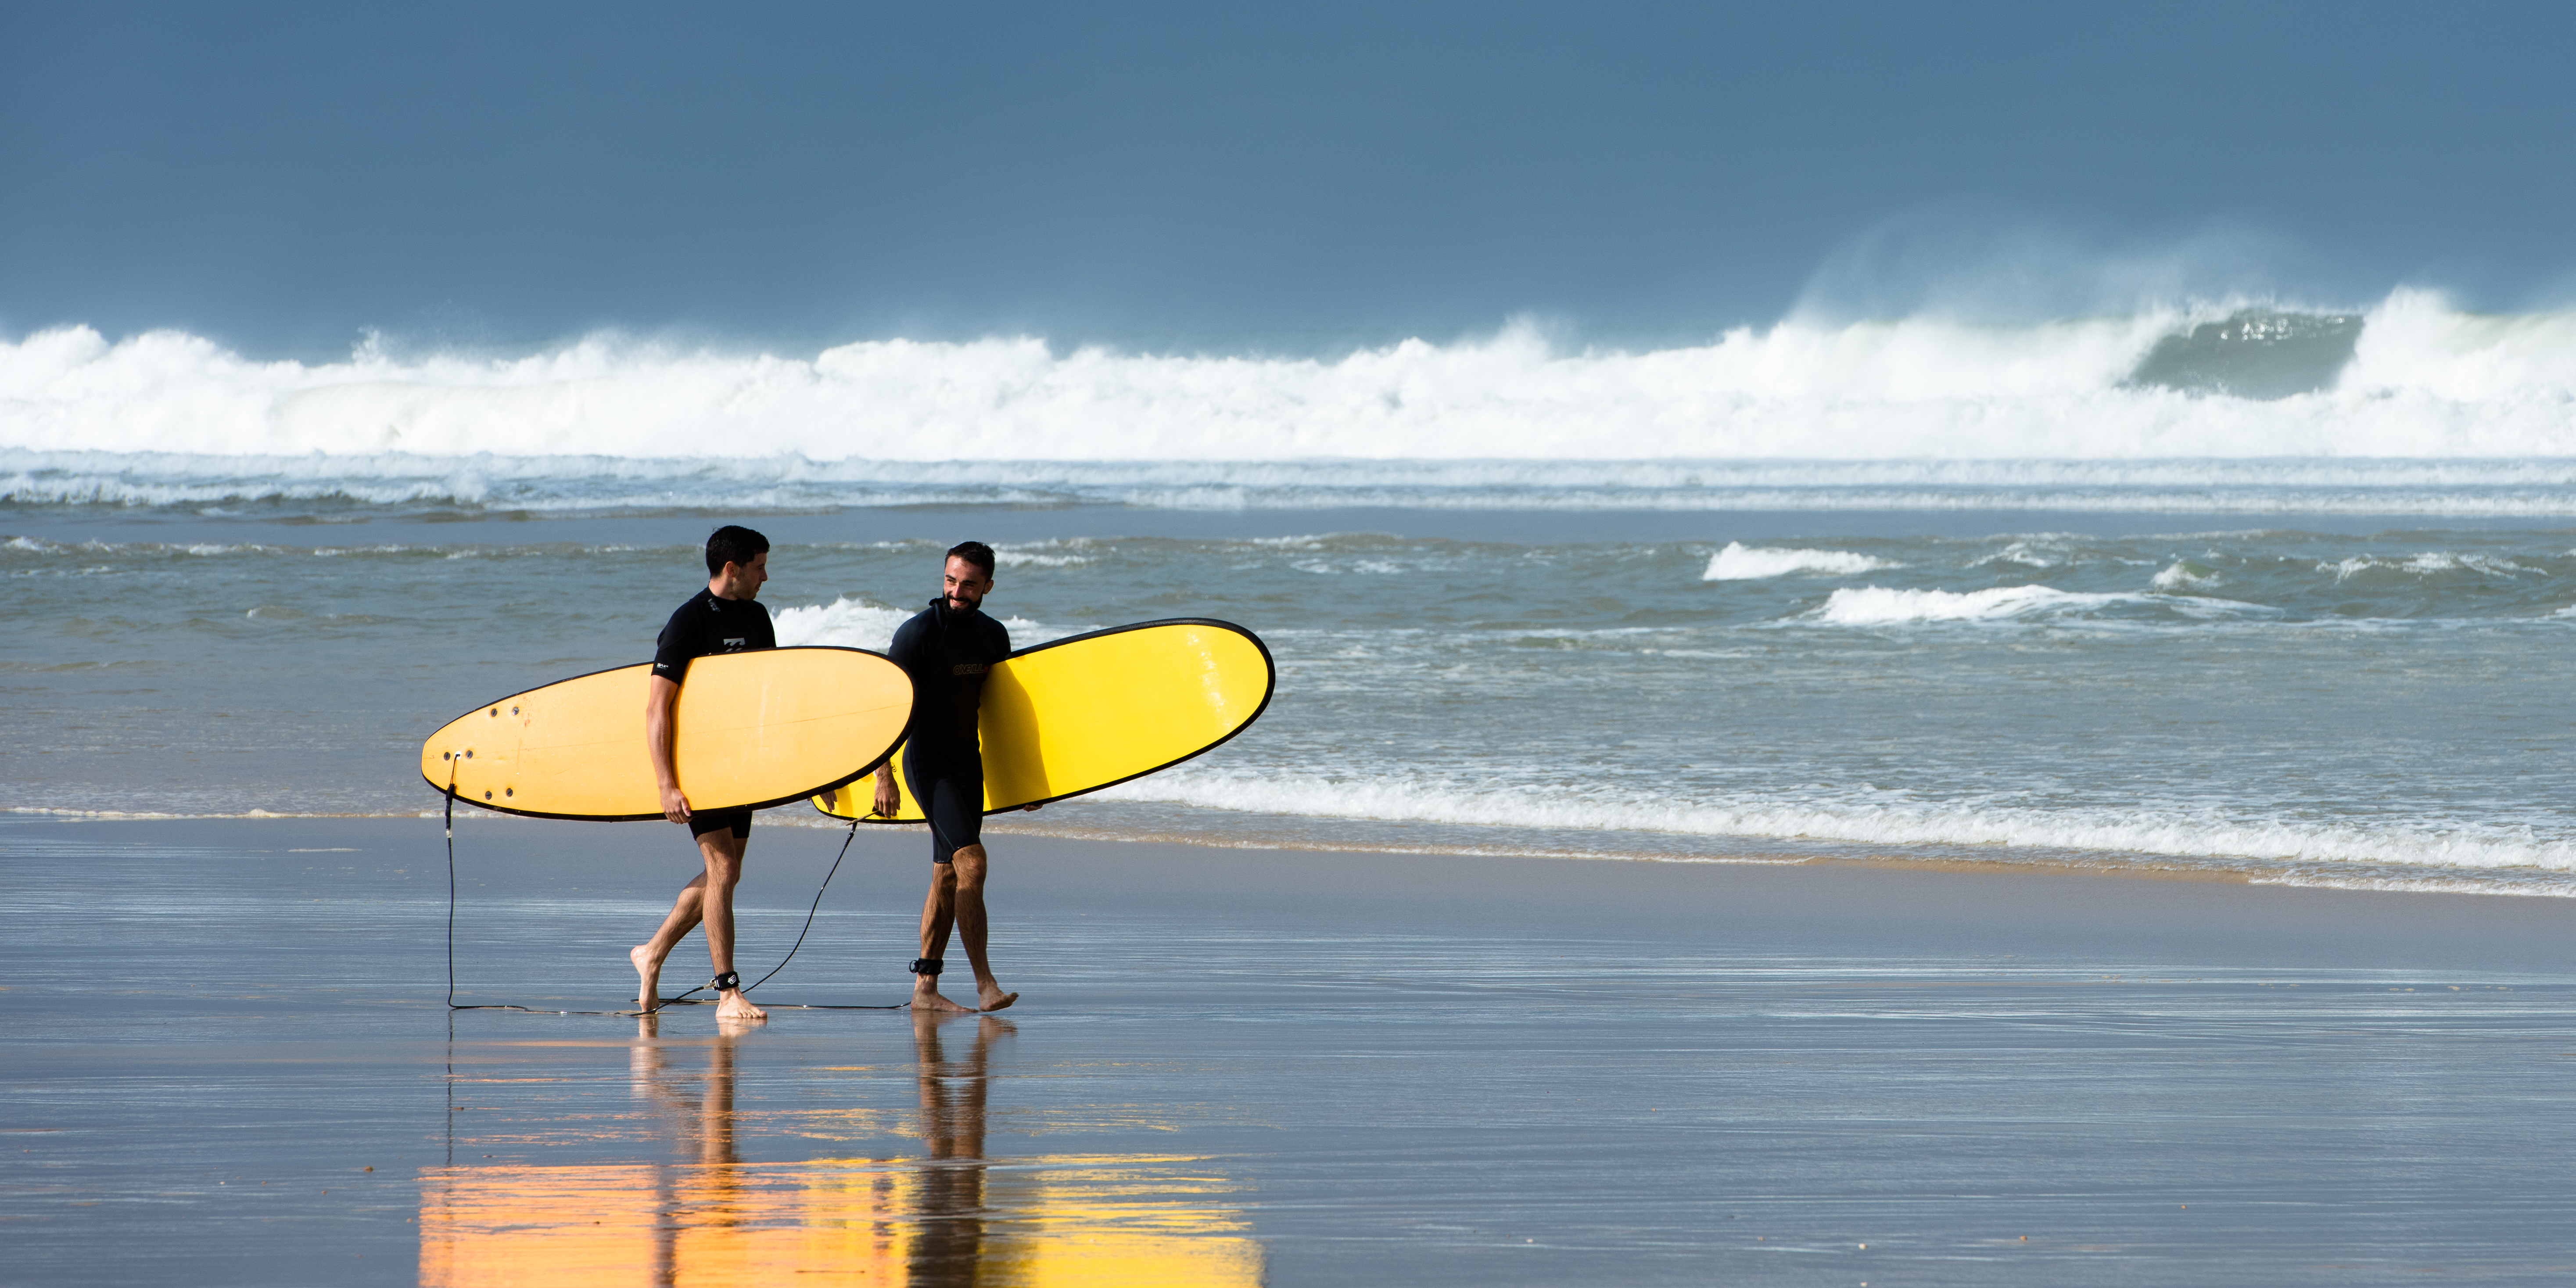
[
  {"x": 723, "y": 851},
  {"x": 957, "y": 895},
  {"x": 938, "y": 911},
  {"x": 647, "y": 956},
  {"x": 970, "y": 866}
]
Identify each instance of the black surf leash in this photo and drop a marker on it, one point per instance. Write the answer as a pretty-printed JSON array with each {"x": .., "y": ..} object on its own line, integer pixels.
[{"x": 683, "y": 999}]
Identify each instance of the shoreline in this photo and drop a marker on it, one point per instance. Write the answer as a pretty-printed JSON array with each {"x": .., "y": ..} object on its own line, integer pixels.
[
  {"x": 1926, "y": 859},
  {"x": 581, "y": 869}
]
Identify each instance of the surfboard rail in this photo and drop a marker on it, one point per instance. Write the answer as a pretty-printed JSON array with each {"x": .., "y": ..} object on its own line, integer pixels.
[
  {"x": 441, "y": 770},
  {"x": 854, "y": 804}
]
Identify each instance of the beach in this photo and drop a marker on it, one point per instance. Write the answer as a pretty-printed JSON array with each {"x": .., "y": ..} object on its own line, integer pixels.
[
  {"x": 1262, "y": 1066},
  {"x": 1841, "y": 897},
  {"x": 1875, "y": 645}
]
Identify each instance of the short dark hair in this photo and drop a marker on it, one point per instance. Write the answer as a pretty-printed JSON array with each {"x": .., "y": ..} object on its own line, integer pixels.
[
  {"x": 973, "y": 552},
  {"x": 732, "y": 545}
]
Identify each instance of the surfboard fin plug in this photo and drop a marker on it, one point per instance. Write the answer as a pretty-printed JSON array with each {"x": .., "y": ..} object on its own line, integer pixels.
[{"x": 930, "y": 966}]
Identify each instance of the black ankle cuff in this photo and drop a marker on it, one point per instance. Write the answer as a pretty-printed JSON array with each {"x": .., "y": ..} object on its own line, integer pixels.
[
  {"x": 930, "y": 966},
  {"x": 727, "y": 981}
]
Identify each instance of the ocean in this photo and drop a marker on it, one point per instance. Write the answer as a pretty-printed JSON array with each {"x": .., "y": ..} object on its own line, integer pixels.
[{"x": 2266, "y": 592}]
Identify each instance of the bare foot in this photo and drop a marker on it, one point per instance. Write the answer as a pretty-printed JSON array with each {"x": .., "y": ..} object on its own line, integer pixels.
[
  {"x": 734, "y": 1026},
  {"x": 735, "y": 1006},
  {"x": 648, "y": 974},
  {"x": 992, "y": 997},
  {"x": 925, "y": 997}
]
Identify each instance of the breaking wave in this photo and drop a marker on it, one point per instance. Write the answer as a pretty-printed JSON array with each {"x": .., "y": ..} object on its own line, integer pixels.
[
  {"x": 1737, "y": 562},
  {"x": 2409, "y": 407},
  {"x": 1880, "y": 606}
]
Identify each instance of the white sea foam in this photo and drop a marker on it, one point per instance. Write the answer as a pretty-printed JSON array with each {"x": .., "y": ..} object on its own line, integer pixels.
[
  {"x": 2184, "y": 576},
  {"x": 1043, "y": 555},
  {"x": 2415, "y": 349},
  {"x": 2036, "y": 552},
  {"x": 843, "y": 623},
  {"x": 1737, "y": 562},
  {"x": 1395, "y": 797},
  {"x": 1947, "y": 412},
  {"x": 2561, "y": 889},
  {"x": 2428, "y": 563},
  {"x": 855, "y": 623},
  {"x": 1881, "y": 606},
  {"x": 224, "y": 484}
]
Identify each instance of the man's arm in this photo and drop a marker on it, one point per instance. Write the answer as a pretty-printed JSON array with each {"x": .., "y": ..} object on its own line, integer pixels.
[
  {"x": 904, "y": 651},
  {"x": 661, "y": 701}
]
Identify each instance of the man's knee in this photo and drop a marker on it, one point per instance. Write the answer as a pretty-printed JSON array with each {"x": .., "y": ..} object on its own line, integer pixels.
[
  {"x": 724, "y": 863},
  {"x": 967, "y": 867}
]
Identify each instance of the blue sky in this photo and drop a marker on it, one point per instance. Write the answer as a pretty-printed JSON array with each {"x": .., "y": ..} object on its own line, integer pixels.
[{"x": 1231, "y": 176}]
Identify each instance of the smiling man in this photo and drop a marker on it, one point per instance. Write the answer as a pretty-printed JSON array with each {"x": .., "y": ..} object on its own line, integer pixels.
[
  {"x": 948, "y": 649},
  {"x": 724, "y": 618}
]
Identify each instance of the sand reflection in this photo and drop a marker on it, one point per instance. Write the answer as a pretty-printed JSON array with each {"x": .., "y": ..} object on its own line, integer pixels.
[{"x": 949, "y": 1218}]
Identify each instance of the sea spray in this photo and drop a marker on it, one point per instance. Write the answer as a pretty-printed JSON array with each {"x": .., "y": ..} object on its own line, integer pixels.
[{"x": 2424, "y": 381}]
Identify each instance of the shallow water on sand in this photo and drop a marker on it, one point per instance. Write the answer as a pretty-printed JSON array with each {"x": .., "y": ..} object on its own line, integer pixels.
[
  {"x": 1246, "y": 1067},
  {"x": 2354, "y": 705}
]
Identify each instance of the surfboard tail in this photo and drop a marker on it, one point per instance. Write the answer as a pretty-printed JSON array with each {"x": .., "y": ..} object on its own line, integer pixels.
[
  {"x": 1075, "y": 715},
  {"x": 752, "y": 730}
]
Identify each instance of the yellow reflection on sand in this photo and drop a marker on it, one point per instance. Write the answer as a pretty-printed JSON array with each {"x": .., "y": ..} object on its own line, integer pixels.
[{"x": 948, "y": 1218}]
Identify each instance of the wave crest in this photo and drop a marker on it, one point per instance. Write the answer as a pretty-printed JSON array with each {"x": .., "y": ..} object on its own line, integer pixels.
[
  {"x": 1737, "y": 562},
  {"x": 2424, "y": 381},
  {"x": 1883, "y": 606}
]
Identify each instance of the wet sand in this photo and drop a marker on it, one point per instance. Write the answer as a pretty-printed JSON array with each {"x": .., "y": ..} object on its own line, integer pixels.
[{"x": 1237, "y": 1066}]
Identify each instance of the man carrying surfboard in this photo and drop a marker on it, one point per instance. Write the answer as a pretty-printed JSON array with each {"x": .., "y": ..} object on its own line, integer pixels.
[
  {"x": 948, "y": 649},
  {"x": 725, "y": 618}
]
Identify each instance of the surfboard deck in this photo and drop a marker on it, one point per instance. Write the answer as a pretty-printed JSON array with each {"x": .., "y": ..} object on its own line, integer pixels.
[
  {"x": 751, "y": 729},
  {"x": 1090, "y": 711}
]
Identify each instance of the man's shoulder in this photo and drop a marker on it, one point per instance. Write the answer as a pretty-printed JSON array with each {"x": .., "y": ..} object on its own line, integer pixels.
[
  {"x": 689, "y": 612},
  {"x": 910, "y": 630},
  {"x": 705, "y": 613},
  {"x": 763, "y": 623}
]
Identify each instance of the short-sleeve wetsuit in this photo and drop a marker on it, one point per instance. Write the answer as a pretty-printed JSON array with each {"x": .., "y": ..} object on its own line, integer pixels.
[
  {"x": 948, "y": 652},
  {"x": 710, "y": 624}
]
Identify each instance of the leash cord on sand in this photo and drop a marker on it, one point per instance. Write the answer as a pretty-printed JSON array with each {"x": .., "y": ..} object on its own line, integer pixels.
[
  {"x": 800, "y": 942},
  {"x": 450, "y": 823}
]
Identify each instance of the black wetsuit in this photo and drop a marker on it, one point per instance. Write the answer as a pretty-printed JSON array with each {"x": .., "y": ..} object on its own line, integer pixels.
[
  {"x": 704, "y": 625},
  {"x": 947, "y": 652}
]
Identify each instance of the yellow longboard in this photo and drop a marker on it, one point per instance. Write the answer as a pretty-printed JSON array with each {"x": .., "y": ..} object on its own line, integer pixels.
[
  {"x": 755, "y": 729},
  {"x": 1091, "y": 711}
]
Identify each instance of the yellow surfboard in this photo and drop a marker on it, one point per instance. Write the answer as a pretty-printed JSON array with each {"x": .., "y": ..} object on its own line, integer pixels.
[
  {"x": 752, "y": 729},
  {"x": 1090, "y": 711}
]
